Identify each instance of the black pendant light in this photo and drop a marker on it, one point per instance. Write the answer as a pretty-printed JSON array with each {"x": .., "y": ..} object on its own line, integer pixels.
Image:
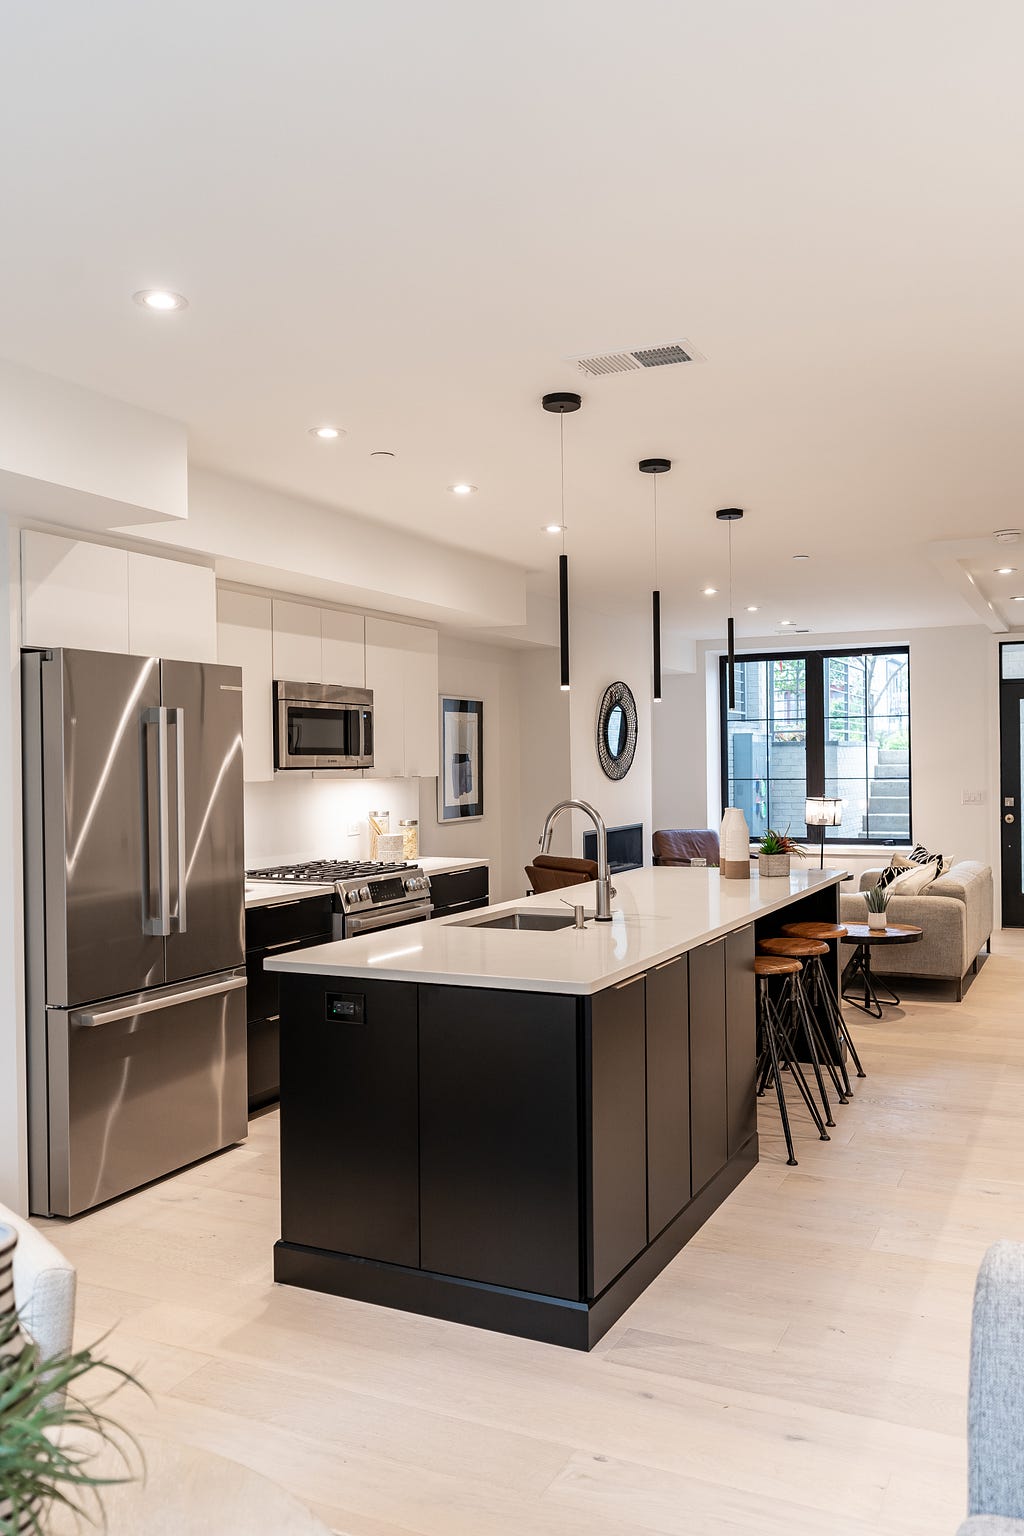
[
  {"x": 730, "y": 515},
  {"x": 561, "y": 404},
  {"x": 655, "y": 467}
]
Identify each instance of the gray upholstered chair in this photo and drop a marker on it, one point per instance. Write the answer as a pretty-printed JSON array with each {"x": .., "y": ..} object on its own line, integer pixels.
[{"x": 995, "y": 1421}]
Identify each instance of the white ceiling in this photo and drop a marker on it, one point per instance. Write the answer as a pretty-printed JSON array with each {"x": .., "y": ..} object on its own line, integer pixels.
[{"x": 402, "y": 218}]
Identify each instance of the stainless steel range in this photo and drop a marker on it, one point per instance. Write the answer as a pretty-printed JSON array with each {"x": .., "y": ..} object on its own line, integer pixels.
[{"x": 367, "y": 895}]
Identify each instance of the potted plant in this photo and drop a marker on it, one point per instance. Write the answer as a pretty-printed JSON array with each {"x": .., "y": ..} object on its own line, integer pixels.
[
  {"x": 877, "y": 899},
  {"x": 48, "y": 1435},
  {"x": 775, "y": 851}
]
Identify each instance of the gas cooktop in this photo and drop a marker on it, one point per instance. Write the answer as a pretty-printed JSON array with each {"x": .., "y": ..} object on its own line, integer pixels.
[{"x": 325, "y": 871}]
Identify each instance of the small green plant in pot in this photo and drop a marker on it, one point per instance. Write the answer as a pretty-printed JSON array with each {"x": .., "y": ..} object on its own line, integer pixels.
[
  {"x": 775, "y": 852},
  {"x": 49, "y": 1437},
  {"x": 877, "y": 900}
]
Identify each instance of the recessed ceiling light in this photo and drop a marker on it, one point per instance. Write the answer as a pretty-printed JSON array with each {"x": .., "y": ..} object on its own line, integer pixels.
[
  {"x": 462, "y": 489},
  {"x": 325, "y": 434},
  {"x": 555, "y": 527},
  {"x": 162, "y": 300},
  {"x": 1005, "y": 570},
  {"x": 710, "y": 591},
  {"x": 752, "y": 609},
  {"x": 1019, "y": 599},
  {"x": 785, "y": 621}
]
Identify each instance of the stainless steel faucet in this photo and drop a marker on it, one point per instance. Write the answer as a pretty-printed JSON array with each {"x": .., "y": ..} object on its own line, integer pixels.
[{"x": 605, "y": 889}]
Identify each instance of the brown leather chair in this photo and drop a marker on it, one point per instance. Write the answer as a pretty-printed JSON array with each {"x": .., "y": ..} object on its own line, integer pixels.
[
  {"x": 550, "y": 872},
  {"x": 681, "y": 846}
]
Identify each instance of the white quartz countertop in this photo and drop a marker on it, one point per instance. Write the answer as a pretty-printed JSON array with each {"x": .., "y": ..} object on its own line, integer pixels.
[
  {"x": 657, "y": 914},
  {"x": 432, "y": 866},
  {"x": 267, "y": 893}
]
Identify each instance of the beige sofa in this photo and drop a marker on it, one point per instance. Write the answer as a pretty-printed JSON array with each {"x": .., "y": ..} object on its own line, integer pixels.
[{"x": 956, "y": 914}]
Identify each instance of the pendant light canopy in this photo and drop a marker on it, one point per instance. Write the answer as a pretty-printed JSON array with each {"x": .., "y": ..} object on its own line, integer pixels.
[
  {"x": 655, "y": 467},
  {"x": 730, "y": 515},
  {"x": 561, "y": 404}
]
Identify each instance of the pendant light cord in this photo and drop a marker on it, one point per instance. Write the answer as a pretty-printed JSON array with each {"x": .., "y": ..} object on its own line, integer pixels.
[
  {"x": 655, "y": 479},
  {"x": 561, "y": 463},
  {"x": 730, "y": 566}
]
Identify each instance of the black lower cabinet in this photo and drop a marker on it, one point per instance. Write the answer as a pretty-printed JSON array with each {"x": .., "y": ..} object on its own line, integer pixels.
[
  {"x": 459, "y": 890},
  {"x": 709, "y": 1121},
  {"x": 276, "y": 928},
  {"x": 740, "y": 1036},
  {"x": 668, "y": 1093},
  {"x": 350, "y": 1117},
  {"x": 499, "y": 1138},
  {"x": 617, "y": 1173}
]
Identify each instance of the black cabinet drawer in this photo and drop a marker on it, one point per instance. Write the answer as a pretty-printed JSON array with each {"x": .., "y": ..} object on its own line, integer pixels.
[
  {"x": 617, "y": 1181},
  {"x": 262, "y": 989},
  {"x": 349, "y": 1118},
  {"x": 290, "y": 918},
  {"x": 461, "y": 890},
  {"x": 668, "y": 1093}
]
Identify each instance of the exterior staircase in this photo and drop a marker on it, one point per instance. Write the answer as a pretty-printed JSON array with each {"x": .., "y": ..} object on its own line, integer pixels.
[{"x": 889, "y": 796}]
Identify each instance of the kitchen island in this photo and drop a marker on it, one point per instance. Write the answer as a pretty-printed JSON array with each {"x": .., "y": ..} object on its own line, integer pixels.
[{"x": 519, "y": 1128}]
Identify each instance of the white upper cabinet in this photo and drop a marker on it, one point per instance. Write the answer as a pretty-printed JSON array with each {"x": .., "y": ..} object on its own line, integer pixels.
[
  {"x": 421, "y": 708},
  {"x": 401, "y": 668},
  {"x": 96, "y": 597},
  {"x": 172, "y": 609},
  {"x": 343, "y": 648},
  {"x": 245, "y": 639},
  {"x": 298, "y": 655},
  {"x": 73, "y": 593}
]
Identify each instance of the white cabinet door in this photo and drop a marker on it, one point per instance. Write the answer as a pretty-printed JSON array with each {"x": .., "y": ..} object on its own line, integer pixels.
[
  {"x": 172, "y": 609},
  {"x": 421, "y": 702},
  {"x": 343, "y": 640},
  {"x": 385, "y": 674},
  {"x": 297, "y": 643},
  {"x": 245, "y": 639},
  {"x": 73, "y": 593}
]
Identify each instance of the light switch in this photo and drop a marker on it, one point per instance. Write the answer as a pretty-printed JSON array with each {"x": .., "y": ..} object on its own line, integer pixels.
[{"x": 972, "y": 797}]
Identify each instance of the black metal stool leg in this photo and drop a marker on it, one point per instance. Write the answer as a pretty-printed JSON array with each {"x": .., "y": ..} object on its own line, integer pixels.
[
  {"x": 820, "y": 1004},
  {"x": 798, "y": 1075},
  {"x": 768, "y": 1026},
  {"x": 860, "y": 967},
  {"x": 811, "y": 1032},
  {"x": 840, "y": 1024}
]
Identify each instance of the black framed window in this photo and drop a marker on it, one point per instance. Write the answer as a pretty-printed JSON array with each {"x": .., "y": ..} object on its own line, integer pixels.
[{"x": 833, "y": 723}]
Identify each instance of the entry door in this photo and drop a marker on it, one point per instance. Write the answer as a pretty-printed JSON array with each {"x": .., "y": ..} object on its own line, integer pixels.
[{"x": 1011, "y": 748}]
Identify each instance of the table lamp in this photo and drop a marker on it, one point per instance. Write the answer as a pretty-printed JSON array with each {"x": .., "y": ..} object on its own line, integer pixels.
[{"x": 819, "y": 811}]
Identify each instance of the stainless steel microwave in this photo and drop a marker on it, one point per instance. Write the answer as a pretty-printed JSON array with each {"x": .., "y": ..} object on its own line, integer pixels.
[{"x": 317, "y": 725}]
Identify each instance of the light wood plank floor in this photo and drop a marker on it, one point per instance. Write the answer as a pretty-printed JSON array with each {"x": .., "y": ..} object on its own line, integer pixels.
[{"x": 800, "y": 1367}]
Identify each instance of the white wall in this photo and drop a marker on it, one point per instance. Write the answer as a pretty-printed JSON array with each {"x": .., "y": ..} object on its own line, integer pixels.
[
  {"x": 13, "y": 1166},
  {"x": 68, "y": 454},
  {"x": 295, "y": 816},
  {"x": 606, "y": 650},
  {"x": 953, "y": 733},
  {"x": 477, "y": 671},
  {"x": 545, "y": 775}
]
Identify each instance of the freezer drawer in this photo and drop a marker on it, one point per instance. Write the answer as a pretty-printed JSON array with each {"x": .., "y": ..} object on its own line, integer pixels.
[{"x": 141, "y": 1085}]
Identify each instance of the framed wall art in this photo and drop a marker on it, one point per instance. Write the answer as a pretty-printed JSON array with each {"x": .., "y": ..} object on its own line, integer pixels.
[{"x": 460, "y": 780}]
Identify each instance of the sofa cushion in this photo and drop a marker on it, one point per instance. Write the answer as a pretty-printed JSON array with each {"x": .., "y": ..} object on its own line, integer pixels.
[
  {"x": 912, "y": 881},
  {"x": 991, "y": 1525}
]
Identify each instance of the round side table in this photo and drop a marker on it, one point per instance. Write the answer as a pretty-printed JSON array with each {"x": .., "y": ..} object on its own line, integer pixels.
[{"x": 858, "y": 968}]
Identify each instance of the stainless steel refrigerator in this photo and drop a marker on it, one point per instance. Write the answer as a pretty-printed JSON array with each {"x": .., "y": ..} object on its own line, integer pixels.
[{"x": 134, "y": 920}]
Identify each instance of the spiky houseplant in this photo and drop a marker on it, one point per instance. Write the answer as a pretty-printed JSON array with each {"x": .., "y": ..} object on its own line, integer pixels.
[
  {"x": 774, "y": 852},
  {"x": 49, "y": 1436},
  {"x": 876, "y": 900}
]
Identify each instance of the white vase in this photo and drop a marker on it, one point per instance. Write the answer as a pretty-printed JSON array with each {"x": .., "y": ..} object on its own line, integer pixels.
[
  {"x": 734, "y": 839},
  {"x": 877, "y": 920}
]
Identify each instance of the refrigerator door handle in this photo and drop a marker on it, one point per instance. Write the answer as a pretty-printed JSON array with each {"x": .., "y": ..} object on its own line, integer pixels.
[
  {"x": 160, "y": 925},
  {"x": 177, "y": 719},
  {"x": 153, "y": 1004}
]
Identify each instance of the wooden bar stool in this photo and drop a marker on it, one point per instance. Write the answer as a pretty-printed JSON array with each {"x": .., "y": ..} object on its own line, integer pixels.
[
  {"x": 821, "y": 986},
  {"x": 775, "y": 1049},
  {"x": 807, "y": 951}
]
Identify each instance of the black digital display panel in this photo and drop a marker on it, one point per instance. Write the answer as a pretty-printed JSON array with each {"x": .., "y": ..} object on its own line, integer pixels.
[{"x": 387, "y": 890}]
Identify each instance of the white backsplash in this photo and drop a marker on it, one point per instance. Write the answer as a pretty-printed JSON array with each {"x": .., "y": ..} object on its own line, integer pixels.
[{"x": 297, "y": 817}]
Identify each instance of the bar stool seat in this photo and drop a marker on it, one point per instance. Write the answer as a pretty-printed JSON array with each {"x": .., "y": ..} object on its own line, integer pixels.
[
  {"x": 775, "y": 1041},
  {"x": 824, "y": 931},
  {"x": 801, "y": 1012}
]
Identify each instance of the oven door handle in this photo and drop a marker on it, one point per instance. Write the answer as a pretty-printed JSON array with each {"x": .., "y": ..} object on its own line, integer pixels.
[{"x": 357, "y": 925}]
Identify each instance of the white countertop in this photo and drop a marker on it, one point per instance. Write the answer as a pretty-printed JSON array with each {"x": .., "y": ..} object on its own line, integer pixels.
[
  {"x": 432, "y": 866},
  {"x": 657, "y": 914},
  {"x": 267, "y": 893}
]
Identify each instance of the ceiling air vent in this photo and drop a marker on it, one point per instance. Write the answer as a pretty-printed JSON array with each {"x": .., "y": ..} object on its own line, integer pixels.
[{"x": 662, "y": 356}]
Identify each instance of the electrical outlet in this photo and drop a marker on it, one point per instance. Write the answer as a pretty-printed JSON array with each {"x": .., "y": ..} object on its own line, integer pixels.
[
  {"x": 972, "y": 797},
  {"x": 354, "y": 828}
]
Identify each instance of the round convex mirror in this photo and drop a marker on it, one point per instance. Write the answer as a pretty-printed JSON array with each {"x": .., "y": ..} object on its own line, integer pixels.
[{"x": 616, "y": 730}]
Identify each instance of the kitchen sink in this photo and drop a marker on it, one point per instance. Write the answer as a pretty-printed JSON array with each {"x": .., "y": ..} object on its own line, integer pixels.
[{"x": 529, "y": 922}]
